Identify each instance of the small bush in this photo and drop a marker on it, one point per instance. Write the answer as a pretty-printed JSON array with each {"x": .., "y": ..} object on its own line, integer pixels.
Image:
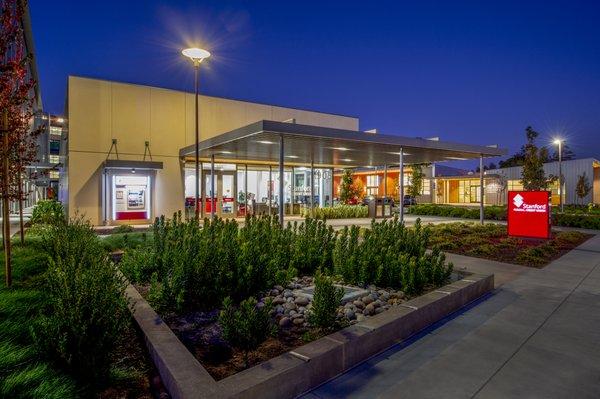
[
  {"x": 326, "y": 300},
  {"x": 47, "y": 212},
  {"x": 246, "y": 327},
  {"x": 86, "y": 310},
  {"x": 123, "y": 228},
  {"x": 583, "y": 221},
  {"x": 337, "y": 212}
]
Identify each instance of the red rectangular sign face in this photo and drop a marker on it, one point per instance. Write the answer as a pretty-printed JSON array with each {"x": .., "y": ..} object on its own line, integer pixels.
[{"x": 529, "y": 214}]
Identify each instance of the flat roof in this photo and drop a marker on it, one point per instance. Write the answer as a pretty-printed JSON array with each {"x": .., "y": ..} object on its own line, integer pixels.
[{"x": 304, "y": 144}]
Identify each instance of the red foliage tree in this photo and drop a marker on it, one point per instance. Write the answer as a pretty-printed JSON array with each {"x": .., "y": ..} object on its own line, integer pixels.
[{"x": 18, "y": 140}]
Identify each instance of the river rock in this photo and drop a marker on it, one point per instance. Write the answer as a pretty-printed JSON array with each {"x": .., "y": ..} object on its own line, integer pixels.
[
  {"x": 301, "y": 301},
  {"x": 367, "y": 299},
  {"x": 369, "y": 310},
  {"x": 350, "y": 315},
  {"x": 298, "y": 321},
  {"x": 359, "y": 304},
  {"x": 285, "y": 322}
]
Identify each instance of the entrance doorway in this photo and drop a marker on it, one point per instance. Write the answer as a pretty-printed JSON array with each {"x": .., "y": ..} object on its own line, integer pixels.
[{"x": 223, "y": 199}]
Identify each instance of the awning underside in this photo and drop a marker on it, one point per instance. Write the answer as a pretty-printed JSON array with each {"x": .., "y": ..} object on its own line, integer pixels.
[{"x": 304, "y": 144}]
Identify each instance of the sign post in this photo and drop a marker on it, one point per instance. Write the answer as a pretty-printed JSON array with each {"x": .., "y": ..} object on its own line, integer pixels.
[{"x": 528, "y": 214}]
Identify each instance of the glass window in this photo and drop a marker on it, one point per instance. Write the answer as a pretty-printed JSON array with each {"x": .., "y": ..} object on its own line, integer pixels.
[
  {"x": 373, "y": 185},
  {"x": 54, "y": 158},
  {"x": 514, "y": 185},
  {"x": 426, "y": 189}
]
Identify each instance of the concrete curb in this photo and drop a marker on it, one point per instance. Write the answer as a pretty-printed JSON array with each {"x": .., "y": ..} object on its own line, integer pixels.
[{"x": 306, "y": 367}]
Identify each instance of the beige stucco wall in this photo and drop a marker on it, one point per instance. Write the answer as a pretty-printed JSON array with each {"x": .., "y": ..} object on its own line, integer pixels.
[{"x": 99, "y": 111}]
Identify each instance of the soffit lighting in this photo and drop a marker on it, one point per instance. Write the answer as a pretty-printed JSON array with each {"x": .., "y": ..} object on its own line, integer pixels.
[
  {"x": 456, "y": 158},
  {"x": 397, "y": 153},
  {"x": 339, "y": 148},
  {"x": 346, "y": 160},
  {"x": 265, "y": 142},
  {"x": 292, "y": 156}
]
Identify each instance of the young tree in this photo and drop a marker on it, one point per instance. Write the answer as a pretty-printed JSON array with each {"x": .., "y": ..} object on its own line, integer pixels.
[
  {"x": 416, "y": 180},
  {"x": 350, "y": 191},
  {"x": 17, "y": 143},
  {"x": 583, "y": 187},
  {"x": 533, "y": 176}
]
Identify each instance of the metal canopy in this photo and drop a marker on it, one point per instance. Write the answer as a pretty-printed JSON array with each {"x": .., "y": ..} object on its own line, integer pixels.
[
  {"x": 127, "y": 164},
  {"x": 304, "y": 144}
]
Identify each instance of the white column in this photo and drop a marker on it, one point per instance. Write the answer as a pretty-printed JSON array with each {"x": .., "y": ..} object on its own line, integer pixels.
[
  {"x": 481, "y": 189},
  {"x": 281, "y": 179},
  {"x": 213, "y": 203},
  {"x": 401, "y": 181}
]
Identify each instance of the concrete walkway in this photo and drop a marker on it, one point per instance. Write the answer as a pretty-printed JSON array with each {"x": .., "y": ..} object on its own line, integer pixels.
[{"x": 536, "y": 336}]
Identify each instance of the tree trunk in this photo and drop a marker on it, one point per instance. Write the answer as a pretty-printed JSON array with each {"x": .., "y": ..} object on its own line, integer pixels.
[
  {"x": 21, "y": 227},
  {"x": 5, "y": 210}
]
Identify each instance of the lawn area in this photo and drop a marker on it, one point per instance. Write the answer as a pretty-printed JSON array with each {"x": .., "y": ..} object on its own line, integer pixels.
[
  {"x": 490, "y": 241},
  {"x": 27, "y": 370}
]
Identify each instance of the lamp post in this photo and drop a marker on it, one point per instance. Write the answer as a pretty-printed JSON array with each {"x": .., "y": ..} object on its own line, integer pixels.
[
  {"x": 560, "y": 178},
  {"x": 197, "y": 55}
]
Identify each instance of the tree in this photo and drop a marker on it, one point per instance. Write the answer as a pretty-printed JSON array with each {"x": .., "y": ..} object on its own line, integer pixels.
[
  {"x": 491, "y": 166},
  {"x": 583, "y": 187},
  {"x": 416, "y": 180},
  {"x": 350, "y": 191},
  {"x": 17, "y": 141},
  {"x": 533, "y": 176}
]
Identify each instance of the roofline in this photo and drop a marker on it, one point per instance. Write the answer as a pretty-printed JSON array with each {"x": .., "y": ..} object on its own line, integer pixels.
[
  {"x": 591, "y": 159},
  {"x": 342, "y": 134},
  {"x": 223, "y": 98}
]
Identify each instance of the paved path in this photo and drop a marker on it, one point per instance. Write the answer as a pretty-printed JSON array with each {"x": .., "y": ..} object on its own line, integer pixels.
[{"x": 536, "y": 336}]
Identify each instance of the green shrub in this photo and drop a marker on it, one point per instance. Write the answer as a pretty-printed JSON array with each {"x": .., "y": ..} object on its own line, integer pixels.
[
  {"x": 326, "y": 300},
  {"x": 491, "y": 212},
  {"x": 123, "y": 228},
  {"x": 47, "y": 212},
  {"x": 337, "y": 212},
  {"x": 246, "y": 327},
  {"x": 124, "y": 241},
  {"x": 583, "y": 221},
  {"x": 138, "y": 265},
  {"x": 86, "y": 310},
  {"x": 390, "y": 255}
]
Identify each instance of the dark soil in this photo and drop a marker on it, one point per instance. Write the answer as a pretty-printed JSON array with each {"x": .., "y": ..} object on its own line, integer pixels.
[{"x": 201, "y": 334}]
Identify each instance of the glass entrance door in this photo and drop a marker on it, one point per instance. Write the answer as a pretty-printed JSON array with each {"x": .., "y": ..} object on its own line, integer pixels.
[{"x": 223, "y": 199}]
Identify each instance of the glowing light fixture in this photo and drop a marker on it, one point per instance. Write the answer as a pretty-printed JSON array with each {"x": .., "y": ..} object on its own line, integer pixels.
[
  {"x": 557, "y": 141},
  {"x": 264, "y": 142},
  {"x": 456, "y": 158},
  {"x": 292, "y": 156},
  {"x": 195, "y": 54}
]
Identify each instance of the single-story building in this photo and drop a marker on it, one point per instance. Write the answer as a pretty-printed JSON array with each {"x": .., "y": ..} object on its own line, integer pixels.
[{"x": 130, "y": 154}]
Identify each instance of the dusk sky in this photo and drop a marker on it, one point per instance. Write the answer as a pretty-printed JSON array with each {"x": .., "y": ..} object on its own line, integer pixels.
[{"x": 475, "y": 72}]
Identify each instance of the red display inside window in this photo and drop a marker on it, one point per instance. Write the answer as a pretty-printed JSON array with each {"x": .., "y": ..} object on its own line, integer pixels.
[{"x": 529, "y": 214}]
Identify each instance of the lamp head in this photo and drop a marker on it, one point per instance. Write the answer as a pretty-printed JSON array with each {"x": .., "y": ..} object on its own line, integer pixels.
[
  {"x": 195, "y": 54},
  {"x": 557, "y": 141}
]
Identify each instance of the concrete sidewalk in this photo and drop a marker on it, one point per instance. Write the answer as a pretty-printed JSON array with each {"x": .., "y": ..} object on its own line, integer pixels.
[{"x": 536, "y": 336}]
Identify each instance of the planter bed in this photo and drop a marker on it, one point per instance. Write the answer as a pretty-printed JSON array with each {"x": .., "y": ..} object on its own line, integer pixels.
[
  {"x": 491, "y": 241},
  {"x": 285, "y": 365}
]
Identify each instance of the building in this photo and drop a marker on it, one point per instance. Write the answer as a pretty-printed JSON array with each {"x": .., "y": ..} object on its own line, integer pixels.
[
  {"x": 508, "y": 179},
  {"x": 130, "y": 153}
]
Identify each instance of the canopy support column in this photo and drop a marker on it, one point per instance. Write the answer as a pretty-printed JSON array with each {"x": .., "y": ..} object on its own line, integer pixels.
[
  {"x": 401, "y": 181},
  {"x": 481, "y": 189},
  {"x": 213, "y": 202},
  {"x": 281, "y": 179}
]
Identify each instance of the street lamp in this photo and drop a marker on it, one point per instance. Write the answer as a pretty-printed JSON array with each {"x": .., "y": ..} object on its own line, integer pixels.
[
  {"x": 197, "y": 55},
  {"x": 560, "y": 179}
]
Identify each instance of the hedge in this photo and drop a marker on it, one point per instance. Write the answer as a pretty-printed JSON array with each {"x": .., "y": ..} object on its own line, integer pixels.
[
  {"x": 338, "y": 212},
  {"x": 495, "y": 212}
]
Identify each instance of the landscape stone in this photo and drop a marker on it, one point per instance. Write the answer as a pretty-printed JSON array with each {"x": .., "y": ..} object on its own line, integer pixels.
[
  {"x": 301, "y": 301},
  {"x": 285, "y": 322}
]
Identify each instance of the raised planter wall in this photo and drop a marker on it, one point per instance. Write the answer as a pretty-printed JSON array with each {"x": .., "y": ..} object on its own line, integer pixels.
[{"x": 310, "y": 365}]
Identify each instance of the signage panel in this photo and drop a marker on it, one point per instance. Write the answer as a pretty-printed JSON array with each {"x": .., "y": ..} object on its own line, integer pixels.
[{"x": 528, "y": 214}]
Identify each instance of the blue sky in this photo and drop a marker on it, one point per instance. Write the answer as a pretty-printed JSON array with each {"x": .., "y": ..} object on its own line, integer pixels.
[{"x": 476, "y": 71}]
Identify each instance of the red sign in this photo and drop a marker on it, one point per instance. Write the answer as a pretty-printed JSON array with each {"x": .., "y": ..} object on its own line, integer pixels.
[{"x": 529, "y": 214}]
